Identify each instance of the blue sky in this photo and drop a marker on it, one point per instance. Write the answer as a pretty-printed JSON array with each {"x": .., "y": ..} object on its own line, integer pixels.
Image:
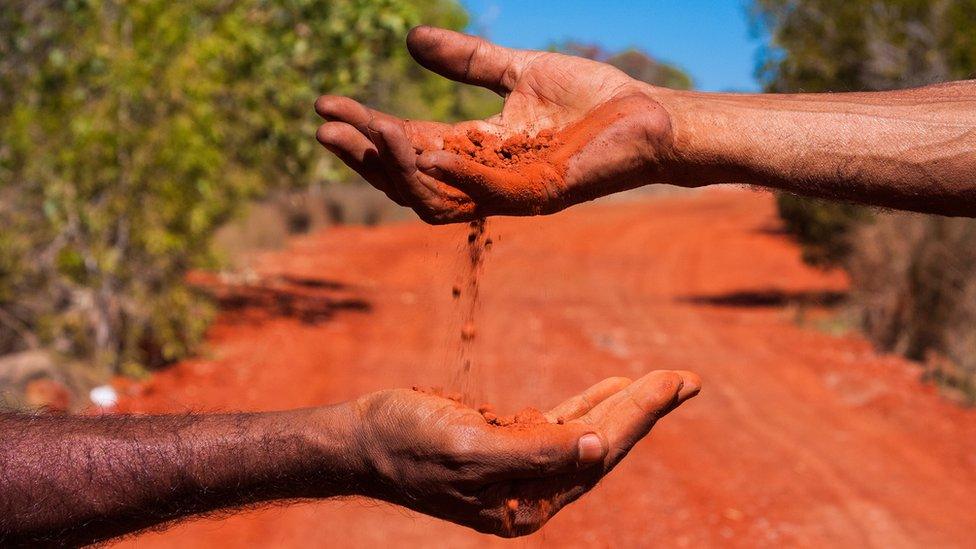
[{"x": 710, "y": 39}]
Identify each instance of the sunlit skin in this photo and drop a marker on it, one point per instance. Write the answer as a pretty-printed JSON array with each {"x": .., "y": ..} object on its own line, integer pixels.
[
  {"x": 71, "y": 480},
  {"x": 908, "y": 149}
]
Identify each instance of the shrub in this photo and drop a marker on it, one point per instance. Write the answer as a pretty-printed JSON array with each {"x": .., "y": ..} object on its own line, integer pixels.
[
  {"x": 823, "y": 228},
  {"x": 914, "y": 285},
  {"x": 131, "y": 131}
]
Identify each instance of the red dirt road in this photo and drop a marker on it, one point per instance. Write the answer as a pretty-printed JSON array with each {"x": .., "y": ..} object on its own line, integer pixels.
[{"x": 798, "y": 438}]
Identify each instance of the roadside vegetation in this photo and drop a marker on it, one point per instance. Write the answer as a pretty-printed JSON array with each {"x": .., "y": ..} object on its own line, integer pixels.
[
  {"x": 913, "y": 276},
  {"x": 132, "y": 131}
]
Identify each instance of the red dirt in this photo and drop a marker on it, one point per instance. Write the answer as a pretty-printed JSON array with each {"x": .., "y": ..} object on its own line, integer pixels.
[
  {"x": 478, "y": 246},
  {"x": 493, "y": 151},
  {"x": 527, "y": 416},
  {"x": 528, "y": 167},
  {"x": 799, "y": 438}
]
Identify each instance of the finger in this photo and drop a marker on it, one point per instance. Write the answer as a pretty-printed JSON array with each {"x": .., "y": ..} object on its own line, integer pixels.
[
  {"x": 690, "y": 385},
  {"x": 542, "y": 450},
  {"x": 580, "y": 404},
  {"x": 629, "y": 415},
  {"x": 469, "y": 176},
  {"x": 400, "y": 161},
  {"x": 344, "y": 109},
  {"x": 422, "y": 134},
  {"x": 467, "y": 58},
  {"x": 357, "y": 152}
]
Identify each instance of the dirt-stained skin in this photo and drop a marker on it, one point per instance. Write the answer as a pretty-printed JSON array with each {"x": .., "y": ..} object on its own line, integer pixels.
[
  {"x": 610, "y": 134},
  {"x": 443, "y": 458}
]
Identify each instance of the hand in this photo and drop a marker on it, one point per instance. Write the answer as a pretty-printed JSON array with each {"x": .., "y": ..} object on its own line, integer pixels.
[
  {"x": 608, "y": 134},
  {"x": 442, "y": 458}
]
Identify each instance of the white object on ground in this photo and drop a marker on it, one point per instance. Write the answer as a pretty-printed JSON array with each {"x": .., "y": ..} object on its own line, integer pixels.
[{"x": 104, "y": 396}]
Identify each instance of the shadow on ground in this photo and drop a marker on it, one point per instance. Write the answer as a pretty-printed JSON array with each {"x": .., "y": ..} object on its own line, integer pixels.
[
  {"x": 307, "y": 300},
  {"x": 768, "y": 298}
]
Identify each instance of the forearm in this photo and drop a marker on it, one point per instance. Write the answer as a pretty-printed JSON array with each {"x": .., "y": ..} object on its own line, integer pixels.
[
  {"x": 82, "y": 479},
  {"x": 908, "y": 149}
]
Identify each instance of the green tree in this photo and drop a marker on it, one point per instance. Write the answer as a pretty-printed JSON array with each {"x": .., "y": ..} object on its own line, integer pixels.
[
  {"x": 636, "y": 63},
  {"x": 132, "y": 130}
]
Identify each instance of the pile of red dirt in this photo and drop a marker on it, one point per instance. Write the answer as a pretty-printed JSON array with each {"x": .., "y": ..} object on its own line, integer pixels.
[
  {"x": 491, "y": 150},
  {"x": 527, "y": 416},
  {"x": 799, "y": 438}
]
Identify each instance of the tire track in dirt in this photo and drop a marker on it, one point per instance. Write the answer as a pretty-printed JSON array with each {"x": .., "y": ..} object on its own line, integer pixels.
[{"x": 798, "y": 438}]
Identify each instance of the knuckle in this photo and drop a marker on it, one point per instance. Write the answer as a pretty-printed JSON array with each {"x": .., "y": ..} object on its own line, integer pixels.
[
  {"x": 383, "y": 125},
  {"x": 478, "y": 53},
  {"x": 637, "y": 402},
  {"x": 540, "y": 459},
  {"x": 665, "y": 386},
  {"x": 621, "y": 380}
]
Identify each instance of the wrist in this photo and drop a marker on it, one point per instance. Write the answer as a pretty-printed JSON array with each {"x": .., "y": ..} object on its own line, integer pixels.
[
  {"x": 709, "y": 143},
  {"x": 337, "y": 462},
  {"x": 669, "y": 156}
]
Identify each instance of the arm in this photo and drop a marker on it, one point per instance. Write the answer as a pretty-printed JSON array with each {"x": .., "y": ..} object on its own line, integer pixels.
[
  {"x": 910, "y": 149},
  {"x": 74, "y": 480},
  {"x": 907, "y": 149}
]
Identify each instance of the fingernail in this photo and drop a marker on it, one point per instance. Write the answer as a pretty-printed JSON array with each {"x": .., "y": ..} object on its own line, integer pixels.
[{"x": 590, "y": 448}]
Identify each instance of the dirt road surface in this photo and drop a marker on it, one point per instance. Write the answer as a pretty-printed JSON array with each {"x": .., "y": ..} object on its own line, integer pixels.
[{"x": 798, "y": 438}]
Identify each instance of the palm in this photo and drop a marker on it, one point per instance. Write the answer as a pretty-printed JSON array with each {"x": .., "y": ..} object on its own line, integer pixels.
[
  {"x": 471, "y": 471},
  {"x": 551, "y": 93}
]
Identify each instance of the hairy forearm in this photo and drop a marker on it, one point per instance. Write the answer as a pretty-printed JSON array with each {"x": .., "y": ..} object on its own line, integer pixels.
[
  {"x": 76, "y": 480},
  {"x": 907, "y": 149}
]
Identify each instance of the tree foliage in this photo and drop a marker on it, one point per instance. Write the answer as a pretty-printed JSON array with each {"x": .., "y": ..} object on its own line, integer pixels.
[
  {"x": 637, "y": 63},
  {"x": 131, "y": 130},
  {"x": 862, "y": 45}
]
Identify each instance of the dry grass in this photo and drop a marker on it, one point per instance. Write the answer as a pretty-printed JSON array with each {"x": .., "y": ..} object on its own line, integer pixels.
[{"x": 914, "y": 284}]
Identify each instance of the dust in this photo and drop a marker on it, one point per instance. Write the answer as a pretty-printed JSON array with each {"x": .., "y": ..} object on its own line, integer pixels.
[{"x": 466, "y": 293}]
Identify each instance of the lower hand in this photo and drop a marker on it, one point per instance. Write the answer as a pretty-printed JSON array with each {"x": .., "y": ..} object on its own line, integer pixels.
[{"x": 441, "y": 458}]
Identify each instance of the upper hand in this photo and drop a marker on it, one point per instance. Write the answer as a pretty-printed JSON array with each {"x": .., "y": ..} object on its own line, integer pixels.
[
  {"x": 610, "y": 133},
  {"x": 444, "y": 459}
]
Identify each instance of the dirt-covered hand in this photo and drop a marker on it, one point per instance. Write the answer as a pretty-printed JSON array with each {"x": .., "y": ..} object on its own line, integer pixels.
[
  {"x": 571, "y": 130},
  {"x": 442, "y": 458}
]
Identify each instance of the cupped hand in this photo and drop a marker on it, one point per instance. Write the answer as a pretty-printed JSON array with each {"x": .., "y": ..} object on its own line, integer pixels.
[
  {"x": 439, "y": 457},
  {"x": 611, "y": 133}
]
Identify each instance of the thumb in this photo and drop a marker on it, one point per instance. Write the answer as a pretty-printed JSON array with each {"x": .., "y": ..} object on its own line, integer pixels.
[
  {"x": 466, "y": 58},
  {"x": 547, "y": 450}
]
